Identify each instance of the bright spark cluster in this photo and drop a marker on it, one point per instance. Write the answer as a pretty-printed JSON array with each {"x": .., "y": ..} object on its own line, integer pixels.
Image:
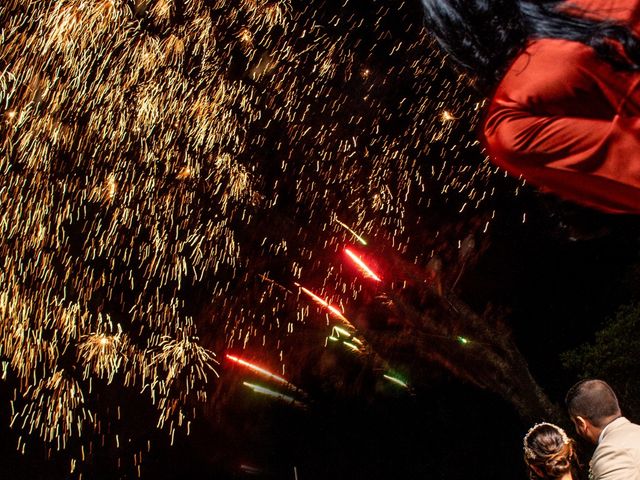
[{"x": 159, "y": 159}]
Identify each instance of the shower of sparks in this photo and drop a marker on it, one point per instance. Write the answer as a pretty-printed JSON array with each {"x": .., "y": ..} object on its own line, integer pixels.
[
  {"x": 101, "y": 354},
  {"x": 362, "y": 266},
  {"x": 446, "y": 116},
  {"x": 157, "y": 156},
  {"x": 66, "y": 414}
]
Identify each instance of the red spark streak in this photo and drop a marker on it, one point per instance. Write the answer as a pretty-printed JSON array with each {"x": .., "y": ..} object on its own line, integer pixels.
[
  {"x": 335, "y": 311},
  {"x": 257, "y": 369},
  {"x": 362, "y": 266}
]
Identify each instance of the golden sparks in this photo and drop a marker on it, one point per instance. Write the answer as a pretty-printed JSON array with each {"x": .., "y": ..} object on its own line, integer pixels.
[{"x": 156, "y": 155}]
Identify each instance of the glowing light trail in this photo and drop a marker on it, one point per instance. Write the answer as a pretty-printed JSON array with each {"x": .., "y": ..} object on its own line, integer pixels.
[
  {"x": 340, "y": 331},
  {"x": 274, "y": 394},
  {"x": 396, "y": 380},
  {"x": 354, "y": 344},
  {"x": 346, "y": 227},
  {"x": 362, "y": 266},
  {"x": 266, "y": 373},
  {"x": 257, "y": 369},
  {"x": 322, "y": 302},
  {"x": 353, "y": 347}
]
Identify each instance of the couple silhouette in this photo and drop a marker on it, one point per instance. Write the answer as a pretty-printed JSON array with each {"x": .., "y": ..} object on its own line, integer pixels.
[{"x": 594, "y": 410}]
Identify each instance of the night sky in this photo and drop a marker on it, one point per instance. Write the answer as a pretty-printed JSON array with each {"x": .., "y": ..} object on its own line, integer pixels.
[{"x": 180, "y": 184}]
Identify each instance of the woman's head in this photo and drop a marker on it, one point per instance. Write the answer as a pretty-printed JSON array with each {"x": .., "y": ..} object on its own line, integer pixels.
[
  {"x": 480, "y": 35},
  {"x": 483, "y": 36},
  {"x": 548, "y": 451}
]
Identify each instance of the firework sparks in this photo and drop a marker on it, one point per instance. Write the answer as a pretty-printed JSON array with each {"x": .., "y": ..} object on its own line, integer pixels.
[
  {"x": 333, "y": 311},
  {"x": 352, "y": 232},
  {"x": 274, "y": 394},
  {"x": 102, "y": 354},
  {"x": 135, "y": 178},
  {"x": 339, "y": 334},
  {"x": 362, "y": 266},
  {"x": 66, "y": 413},
  {"x": 447, "y": 116},
  {"x": 264, "y": 372},
  {"x": 396, "y": 381}
]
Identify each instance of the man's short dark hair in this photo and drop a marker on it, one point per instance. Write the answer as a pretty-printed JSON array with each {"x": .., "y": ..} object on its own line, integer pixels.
[{"x": 594, "y": 400}]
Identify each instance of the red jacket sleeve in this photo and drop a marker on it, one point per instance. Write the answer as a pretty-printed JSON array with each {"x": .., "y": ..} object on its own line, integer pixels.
[
  {"x": 557, "y": 122},
  {"x": 627, "y": 11}
]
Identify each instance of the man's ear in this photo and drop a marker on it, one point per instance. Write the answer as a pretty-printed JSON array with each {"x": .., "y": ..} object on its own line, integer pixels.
[
  {"x": 585, "y": 428},
  {"x": 581, "y": 423}
]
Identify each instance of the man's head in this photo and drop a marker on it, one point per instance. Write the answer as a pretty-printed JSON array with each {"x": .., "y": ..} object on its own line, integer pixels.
[{"x": 592, "y": 405}]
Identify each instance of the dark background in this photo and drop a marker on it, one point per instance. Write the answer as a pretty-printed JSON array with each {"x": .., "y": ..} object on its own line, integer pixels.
[
  {"x": 559, "y": 274},
  {"x": 559, "y": 288}
]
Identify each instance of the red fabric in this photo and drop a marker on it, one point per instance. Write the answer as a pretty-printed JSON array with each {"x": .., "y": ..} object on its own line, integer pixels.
[{"x": 568, "y": 122}]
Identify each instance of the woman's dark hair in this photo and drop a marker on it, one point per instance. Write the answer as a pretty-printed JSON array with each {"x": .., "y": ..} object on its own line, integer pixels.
[
  {"x": 549, "y": 453},
  {"x": 483, "y": 36}
]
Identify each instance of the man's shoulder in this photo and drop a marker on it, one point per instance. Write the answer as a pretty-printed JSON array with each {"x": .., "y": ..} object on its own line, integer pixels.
[
  {"x": 620, "y": 429},
  {"x": 620, "y": 445},
  {"x": 615, "y": 462},
  {"x": 623, "y": 426}
]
